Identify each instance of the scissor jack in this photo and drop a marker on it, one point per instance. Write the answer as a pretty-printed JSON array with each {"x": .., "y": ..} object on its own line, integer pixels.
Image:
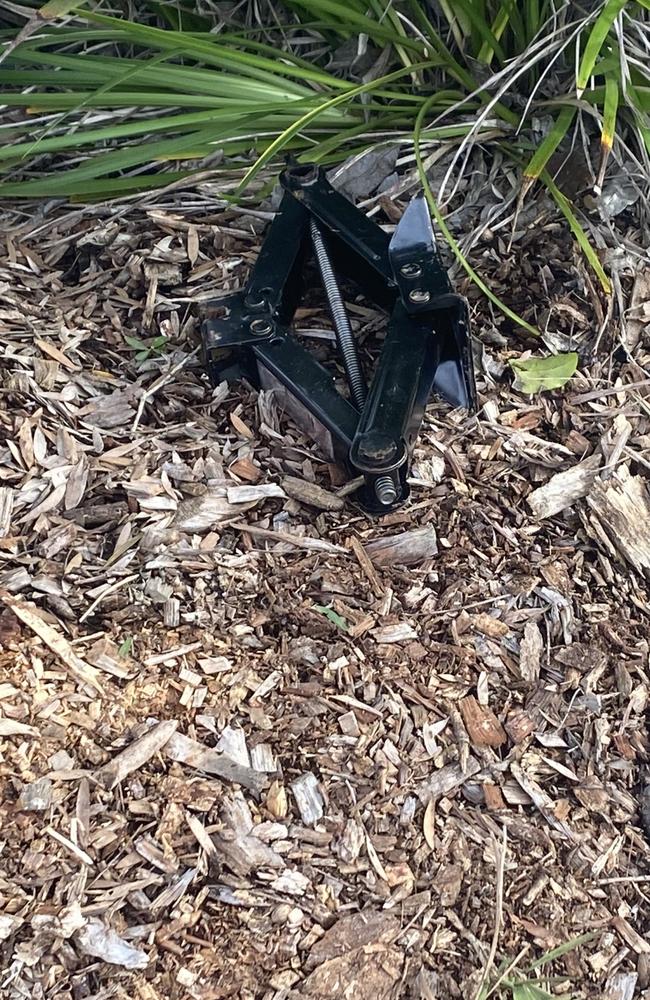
[{"x": 426, "y": 350}]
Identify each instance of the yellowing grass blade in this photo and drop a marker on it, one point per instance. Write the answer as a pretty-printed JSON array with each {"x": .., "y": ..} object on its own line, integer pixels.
[
  {"x": 608, "y": 129},
  {"x": 596, "y": 40}
]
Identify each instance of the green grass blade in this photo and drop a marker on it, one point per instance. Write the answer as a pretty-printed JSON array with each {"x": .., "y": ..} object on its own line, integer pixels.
[
  {"x": 557, "y": 133},
  {"x": 563, "y": 949},
  {"x": 564, "y": 205},
  {"x": 595, "y": 42},
  {"x": 458, "y": 253},
  {"x": 306, "y": 119}
]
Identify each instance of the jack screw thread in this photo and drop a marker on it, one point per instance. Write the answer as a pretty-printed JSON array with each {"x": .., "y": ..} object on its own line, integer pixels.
[
  {"x": 385, "y": 490},
  {"x": 344, "y": 335}
]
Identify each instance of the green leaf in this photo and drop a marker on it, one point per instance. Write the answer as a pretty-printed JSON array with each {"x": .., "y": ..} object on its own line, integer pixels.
[
  {"x": 525, "y": 991},
  {"x": 126, "y": 647},
  {"x": 536, "y": 374},
  {"x": 442, "y": 225},
  {"x": 135, "y": 343},
  {"x": 332, "y": 616},
  {"x": 57, "y": 8},
  {"x": 588, "y": 250}
]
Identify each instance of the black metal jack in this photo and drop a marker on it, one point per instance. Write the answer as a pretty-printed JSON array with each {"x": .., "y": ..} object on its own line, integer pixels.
[{"x": 427, "y": 347}]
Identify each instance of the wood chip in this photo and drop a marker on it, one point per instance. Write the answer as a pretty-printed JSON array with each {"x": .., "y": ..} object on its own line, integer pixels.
[
  {"x": 530, "y": 652},
  {"x": 483, "y": 727},
  {"x": 489, "y": 625},
  {"x": 312, "y": 494},
  {"x": 194, "y": 754},
  {"x": 299, "y": 541},
  {"x": 100, "y": 941},
  {"x": 308, "y": 798},
  {"x": 564, "y": 488},
  {"x": 445, "y": 780},
  {"x": 252, "y": 494},
  {"x": 53, "y": 639},
  {"x": 406, "y": 549},
  {"x": 6, "y": 508},
  {"x": 541, "y": 800},
  {"x": 366, "y": 565},
  {"x": 633, "y": 939},
  {"x": 394, "y": 633},
  {"x": 623, "y": 509},
  {"x": 137, "y": 754}
]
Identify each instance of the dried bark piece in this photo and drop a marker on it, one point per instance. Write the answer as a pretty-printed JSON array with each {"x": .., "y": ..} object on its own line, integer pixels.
[
  {"x": 483, "y": 727},
  {"x": 137, "y": 754},
  {"x": 622, "y": 506},
  {"x": 201, "y": 513},
  {"x": 630, "y": 936},
  {"x": 394, "y": 633},
  {"x": 541, "y": 801},
  {"x": 194, "y": 754},
  {"x": 593, "y": 795},
  {"x": 446, "y": 779},
  {"x": 245, "y": 468},
  {"x": 253, "y": 494},
  {"x": 312, "y": 494},
  {"x": 244, "y": 853},
  {"x": 308, "y": 798},
  {"x": 36, "y": 796},
  {"x": 11, "y": 727},
  {"x": 448, "y": 883},
  {"x": 102, "y": 942},
  {"x": 489, "y": 625},
  {"x": 621, "y": 986},
  {"x": 53, "y": 639},
  {"x": 638, "y": 312},
  {"x": 405, "y": 549},
  {"x": 519, "y": 726},
  {"x": 493, "y": 797},
  {"x": 366, "y": 565},
  {"x": 564, "y": 488},
  {"x": 300, "y": 541},
  {"x": 373, "y": 976},
  {"x": 353, "y": 931},
  {"x": 6, "y": 508},
  {"x": 530, "y": 652},
  {"x": 348, "y": 846}
]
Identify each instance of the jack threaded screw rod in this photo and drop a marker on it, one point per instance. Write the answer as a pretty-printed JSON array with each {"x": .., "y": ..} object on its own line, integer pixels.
[
  {"x": 344, "y": 335},
  {"x": 386, "y": 489},
  {"x": 385, "y": 486}
]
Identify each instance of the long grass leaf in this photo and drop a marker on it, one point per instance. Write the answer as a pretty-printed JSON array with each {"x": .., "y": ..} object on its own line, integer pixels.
[
  {"x": 596, "y": 40},
  {"x": 306, "y": 119},
  {"x": 608, "y": 128},
  {"x": 456, "y": 250},
  {"x": 542, "y": 155},
  {"x": 582, "y": 239}
]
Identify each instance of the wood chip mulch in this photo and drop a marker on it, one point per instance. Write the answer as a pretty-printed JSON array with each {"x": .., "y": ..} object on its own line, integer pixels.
[{"x": 255, "y": 744}]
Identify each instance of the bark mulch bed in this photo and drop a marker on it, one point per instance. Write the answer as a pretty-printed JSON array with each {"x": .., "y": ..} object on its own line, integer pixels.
[{"x": 255, "y": 744}]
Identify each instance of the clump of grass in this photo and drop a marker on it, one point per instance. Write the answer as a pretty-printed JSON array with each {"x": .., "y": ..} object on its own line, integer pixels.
[
  {"x": 531, "y": 982},
  {"x": 112, "y": 106}
]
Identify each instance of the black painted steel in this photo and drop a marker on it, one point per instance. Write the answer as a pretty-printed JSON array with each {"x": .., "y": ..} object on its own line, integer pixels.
[{"x": 427, "y": 347}]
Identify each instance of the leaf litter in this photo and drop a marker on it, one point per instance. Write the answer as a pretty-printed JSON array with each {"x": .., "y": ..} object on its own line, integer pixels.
[{"x": 254, "y": 744}]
